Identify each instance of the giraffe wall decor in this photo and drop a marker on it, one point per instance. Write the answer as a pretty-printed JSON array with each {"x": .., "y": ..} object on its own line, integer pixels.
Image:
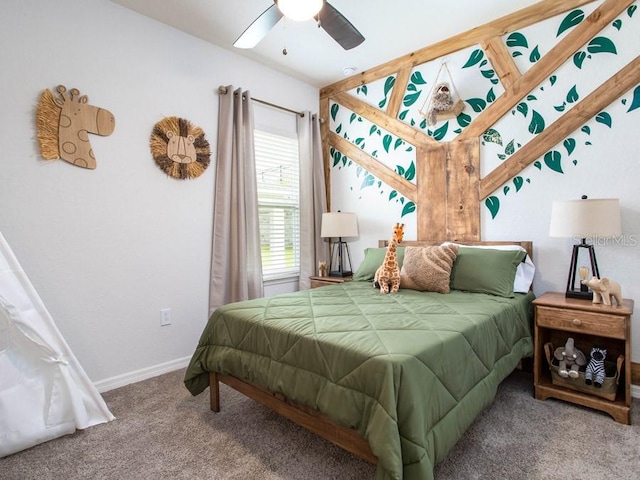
[{"x": 64, "y": 123}]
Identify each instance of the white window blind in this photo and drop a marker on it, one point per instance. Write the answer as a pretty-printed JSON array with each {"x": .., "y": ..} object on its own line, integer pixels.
[{"x": 277, "y": 171}]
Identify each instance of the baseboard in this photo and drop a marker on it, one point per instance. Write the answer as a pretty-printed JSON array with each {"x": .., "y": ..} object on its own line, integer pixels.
[{"x": 142, "y": 374}]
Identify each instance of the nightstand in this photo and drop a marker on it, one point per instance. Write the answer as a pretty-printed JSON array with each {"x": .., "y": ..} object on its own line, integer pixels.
[
  {"x": 324, "y": 281},
  {"x": 589, "y": 324}
]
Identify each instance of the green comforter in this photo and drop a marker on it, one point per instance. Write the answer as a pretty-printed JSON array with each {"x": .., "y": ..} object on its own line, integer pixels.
[{"x": 410, "y": 371}]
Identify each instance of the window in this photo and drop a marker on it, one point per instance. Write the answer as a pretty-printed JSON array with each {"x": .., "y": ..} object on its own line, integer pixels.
[{"x": 277, "y": 171}]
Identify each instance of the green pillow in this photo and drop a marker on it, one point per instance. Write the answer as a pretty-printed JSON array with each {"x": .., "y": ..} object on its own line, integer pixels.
[
  {"x": 486, "y": 270},
  {"x": 373, "y": 258}
]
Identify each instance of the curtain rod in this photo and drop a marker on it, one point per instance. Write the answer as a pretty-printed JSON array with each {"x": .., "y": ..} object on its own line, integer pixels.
[{"x": 223, "y": 91}]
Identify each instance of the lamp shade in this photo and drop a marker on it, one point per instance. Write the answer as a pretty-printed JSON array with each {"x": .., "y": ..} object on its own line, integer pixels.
[
  {"x": 339, "y": 224},
  {"x": 588, "y": 217},
  {"x": 299, "y": 10}
]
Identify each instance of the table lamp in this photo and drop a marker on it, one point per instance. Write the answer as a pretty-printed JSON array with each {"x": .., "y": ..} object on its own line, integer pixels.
[
  {"x": 582, "y": 219},
  {"x": 339, "y": 225}
]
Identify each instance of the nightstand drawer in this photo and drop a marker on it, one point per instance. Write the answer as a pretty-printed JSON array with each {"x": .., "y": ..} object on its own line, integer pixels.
[{"x": 612, "y": 326}]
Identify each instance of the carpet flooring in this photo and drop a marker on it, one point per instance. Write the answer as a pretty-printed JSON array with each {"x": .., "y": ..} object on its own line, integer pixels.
[{"x": 162, "y": 432}]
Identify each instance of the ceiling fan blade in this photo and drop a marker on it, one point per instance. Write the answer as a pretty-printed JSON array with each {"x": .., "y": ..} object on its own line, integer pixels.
[
  {"x": 338, "y": 27},
  {"x": 259, "y": 28}
]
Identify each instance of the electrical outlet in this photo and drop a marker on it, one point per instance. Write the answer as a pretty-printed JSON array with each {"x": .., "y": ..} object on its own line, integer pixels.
[{"x": 165, "y": 317}]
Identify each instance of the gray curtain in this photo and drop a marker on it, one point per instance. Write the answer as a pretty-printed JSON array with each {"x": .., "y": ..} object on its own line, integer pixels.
[
  {"x": 313, "y": 200},
  {"x": 236, "y": 264}
]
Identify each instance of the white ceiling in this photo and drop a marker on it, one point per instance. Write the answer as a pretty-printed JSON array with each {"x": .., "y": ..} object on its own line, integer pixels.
[{"x": 391, "y": 28}]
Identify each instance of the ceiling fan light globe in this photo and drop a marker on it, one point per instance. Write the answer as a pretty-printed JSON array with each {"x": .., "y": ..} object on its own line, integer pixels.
[{"x": 299, "y": 10}]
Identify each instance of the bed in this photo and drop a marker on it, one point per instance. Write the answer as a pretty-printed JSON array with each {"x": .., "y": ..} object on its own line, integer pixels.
[{"x": 396, "y": 379}]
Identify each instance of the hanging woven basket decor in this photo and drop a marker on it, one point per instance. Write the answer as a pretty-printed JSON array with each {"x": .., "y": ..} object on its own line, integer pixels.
[
  {"x": 179, "y": 148},
  {"x": 443, "y": 101}
]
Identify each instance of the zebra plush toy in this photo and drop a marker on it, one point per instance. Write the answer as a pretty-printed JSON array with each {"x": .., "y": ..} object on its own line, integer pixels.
[{"x": 595, "y": 368}]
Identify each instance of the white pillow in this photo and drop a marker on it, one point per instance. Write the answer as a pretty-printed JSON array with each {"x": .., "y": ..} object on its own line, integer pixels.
[{"x": 525, "y": 271}]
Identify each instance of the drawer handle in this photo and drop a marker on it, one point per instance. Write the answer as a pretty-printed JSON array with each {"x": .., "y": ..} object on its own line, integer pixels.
[{"x": 577, "y": 322}]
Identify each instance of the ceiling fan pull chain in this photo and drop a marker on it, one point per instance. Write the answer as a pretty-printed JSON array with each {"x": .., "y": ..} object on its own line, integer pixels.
[{"x": 284, "y": 27}]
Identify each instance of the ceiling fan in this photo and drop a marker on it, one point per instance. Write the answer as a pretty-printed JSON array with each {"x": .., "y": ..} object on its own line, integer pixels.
[{"x": 325, "y": 15}]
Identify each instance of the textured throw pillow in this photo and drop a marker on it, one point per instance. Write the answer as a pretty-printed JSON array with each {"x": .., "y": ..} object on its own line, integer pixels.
[
  {"x": 428, "y": 269},
  {"x": 486, "y": 270},
  {"x": 373, "y": 258}
]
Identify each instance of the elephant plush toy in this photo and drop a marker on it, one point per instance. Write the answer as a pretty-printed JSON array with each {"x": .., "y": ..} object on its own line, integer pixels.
[
  {"x": 571, "y": 359},
  {"x": 603, "y": 290}
]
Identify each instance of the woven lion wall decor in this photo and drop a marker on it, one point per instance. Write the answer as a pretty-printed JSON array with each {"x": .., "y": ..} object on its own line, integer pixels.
[
  {"x": 179, "y": 148},
  {"x": 64, "y": 123}
]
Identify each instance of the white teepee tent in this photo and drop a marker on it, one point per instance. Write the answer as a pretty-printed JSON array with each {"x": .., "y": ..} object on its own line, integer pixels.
[{"x": 44, "y": 392}]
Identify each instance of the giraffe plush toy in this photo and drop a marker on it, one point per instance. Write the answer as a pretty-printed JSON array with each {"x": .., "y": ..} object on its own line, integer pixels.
[{"x": 388, "y": 274}]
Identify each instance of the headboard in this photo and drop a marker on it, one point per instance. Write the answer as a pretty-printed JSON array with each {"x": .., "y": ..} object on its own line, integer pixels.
[{"x": 527, "y": 245}]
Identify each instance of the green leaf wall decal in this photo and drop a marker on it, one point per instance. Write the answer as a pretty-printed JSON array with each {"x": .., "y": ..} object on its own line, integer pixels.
[
  {"x": 571, "y": 20},
  {"x": 440, "y": 133},
  {"x": 518, "y": 182},
  {"x": 635, "y": 103},
  {"x": 578, "y": 58},
  {"x": 478, "y": 104},
  {"x": 516, "y": 39},
  {"x": 535, "y": 55},
  {"x": 368, "y": 181},
  {"x": 510, "y": 148},
  {"x": 388, "y": 85},
  {"x": 523, "y": 108},
  {"x": 492, "y": 136},
  {"x": 601, "y": 45},
  {"x": 410, "y": 99},
  {"x": 334, "y": 111},
  {"x": 475, "y": 57},
  {"x": 463, "y": 120},
  {"x": 537, "y": 123},
  {"x": 604, "y": 118},
  {"x": 553, "y": 160},
  {"x": 416, "y": 77},
  {"x": 570, "y": 145},
  {"x": 493, "y": 204},
  {"x": 572, "y": 95},
  {"x": 386, "y": 142},
  {"x": 411, "y": 172},
  {"x": 409, "y": 207}
]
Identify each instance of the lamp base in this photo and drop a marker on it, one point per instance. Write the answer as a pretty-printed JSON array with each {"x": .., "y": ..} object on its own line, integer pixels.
[
  {"x": 579, "y": 294},
  {"x": 339, "y": 273}
]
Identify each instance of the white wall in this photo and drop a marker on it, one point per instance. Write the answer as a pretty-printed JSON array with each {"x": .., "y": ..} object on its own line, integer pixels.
[
  {"x": 606, "y": 165},
  {"x": 108, "y": 248}
]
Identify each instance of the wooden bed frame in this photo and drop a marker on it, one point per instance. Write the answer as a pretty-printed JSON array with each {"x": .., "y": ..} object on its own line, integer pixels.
[{"x": 314, "y": 421}]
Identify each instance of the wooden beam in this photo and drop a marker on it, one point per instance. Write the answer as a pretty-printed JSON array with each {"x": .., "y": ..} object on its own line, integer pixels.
[
  {"x": 549, "y": 63},
  {"x": 397, "y": 94},
  {"x": 462, "y": 202},
  {"x": 501, "y": 60},
  {"x": 553, "y": 134},
  {"x": 326, "y": 148},
  {"x": 509, "y": 23},
  {"x": 447, "y": 175},
  {"x": 400, "y": 129},
  {"x": 366, "y": 161}
]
